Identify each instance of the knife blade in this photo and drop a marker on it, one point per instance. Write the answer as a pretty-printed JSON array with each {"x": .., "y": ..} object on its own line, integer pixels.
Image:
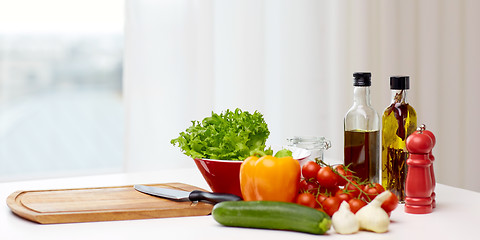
[{"x": 180, "y": 195}]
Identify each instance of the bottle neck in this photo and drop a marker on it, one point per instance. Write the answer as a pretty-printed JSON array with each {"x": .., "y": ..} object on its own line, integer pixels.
[
  {"x": 361, "y": 96},
  {"x": 399, "y": 96}
]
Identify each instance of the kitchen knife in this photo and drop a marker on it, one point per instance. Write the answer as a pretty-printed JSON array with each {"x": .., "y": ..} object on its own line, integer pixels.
[{"x": 180, "y": 195}]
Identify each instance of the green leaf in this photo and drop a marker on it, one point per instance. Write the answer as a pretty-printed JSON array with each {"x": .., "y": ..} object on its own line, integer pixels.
[
  {"x": 231, "y": 135},
  {"x": 283, "y": 153}
]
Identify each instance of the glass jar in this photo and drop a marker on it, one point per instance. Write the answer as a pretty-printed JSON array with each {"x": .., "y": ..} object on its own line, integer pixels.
[{"x": 316, "y": 146}]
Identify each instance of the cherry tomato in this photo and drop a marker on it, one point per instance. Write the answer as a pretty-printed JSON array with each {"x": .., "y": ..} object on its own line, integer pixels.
[
  {"x": 379, "y": 188},
  {"x": 343, "y": 195},
  {"x": 390, "y": 204},
  {"x": 306, "y": 199},
  {"x": 310, "y": 170},
  {"x": 356, "y": 204},
  {"x": 342, "y": 170},
  {"x": 353, "y": 188},
  {"x": 327, "y": 178},
  {"x": 370, "y": 193},
  {"x": 331, "y": 205},
  {"x": 321, "y": 197},
  {"x": 308, "y": 186},
  {"x": 372, "y": 190}
]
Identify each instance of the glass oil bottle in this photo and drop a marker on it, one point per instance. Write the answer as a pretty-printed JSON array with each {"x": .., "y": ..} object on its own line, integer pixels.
[
  {"x": 362, "y": 132},
  {"x": 399, "y": 120}
]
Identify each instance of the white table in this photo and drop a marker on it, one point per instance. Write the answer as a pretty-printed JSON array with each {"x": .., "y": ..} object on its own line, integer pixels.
[{"x": 454, "y": 218}]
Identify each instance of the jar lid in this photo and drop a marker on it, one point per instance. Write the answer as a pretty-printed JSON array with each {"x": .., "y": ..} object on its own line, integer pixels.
[
  {"x": 362, "y": 79},
  {"x": 399, "y": 82}
]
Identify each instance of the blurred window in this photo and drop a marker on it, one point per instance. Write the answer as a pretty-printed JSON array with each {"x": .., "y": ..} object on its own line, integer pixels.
[{"x": 61, "y": 109}]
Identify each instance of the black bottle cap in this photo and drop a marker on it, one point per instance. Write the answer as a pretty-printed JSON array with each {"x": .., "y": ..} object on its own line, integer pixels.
[
  {"x": 362, "y": 79},
  {"x": 399, "y": 82}
]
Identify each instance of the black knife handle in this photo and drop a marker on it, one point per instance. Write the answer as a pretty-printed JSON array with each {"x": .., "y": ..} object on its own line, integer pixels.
[{"x": 197, "y": 195}]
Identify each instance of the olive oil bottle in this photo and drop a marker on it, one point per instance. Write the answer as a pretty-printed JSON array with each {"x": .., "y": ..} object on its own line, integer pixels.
[
  {"x": 399, "y": 120},
  {"x": 361, "y": 132}
]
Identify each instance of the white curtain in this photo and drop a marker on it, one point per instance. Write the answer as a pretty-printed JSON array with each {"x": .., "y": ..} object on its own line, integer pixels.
[{"x": 293, "y": 61}]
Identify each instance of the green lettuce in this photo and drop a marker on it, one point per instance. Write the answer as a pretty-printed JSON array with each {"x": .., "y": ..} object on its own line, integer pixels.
[{"x": 231, "y": 135}]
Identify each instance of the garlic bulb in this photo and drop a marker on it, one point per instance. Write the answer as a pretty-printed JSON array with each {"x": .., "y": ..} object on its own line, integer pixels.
[
  {"x": 344, "y": 221},
  {"x": 372, "y": 217}
]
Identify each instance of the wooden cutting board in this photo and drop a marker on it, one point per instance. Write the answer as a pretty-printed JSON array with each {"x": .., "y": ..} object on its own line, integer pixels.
[{"x": 101, "y": 204}]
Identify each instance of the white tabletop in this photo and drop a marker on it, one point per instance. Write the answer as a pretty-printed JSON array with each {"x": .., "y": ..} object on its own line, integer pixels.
[{"x": 455, "y": 216}]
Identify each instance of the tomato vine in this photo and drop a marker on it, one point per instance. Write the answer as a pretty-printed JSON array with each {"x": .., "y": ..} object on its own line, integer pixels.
[{"x": 325, "y": 186}]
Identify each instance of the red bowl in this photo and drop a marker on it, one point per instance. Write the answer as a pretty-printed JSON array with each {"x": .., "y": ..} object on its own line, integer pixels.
[{"x": 223, "y": 176}]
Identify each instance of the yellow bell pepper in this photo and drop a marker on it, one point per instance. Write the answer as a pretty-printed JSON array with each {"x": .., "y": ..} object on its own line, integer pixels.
[{"x": 269, "y": 178}]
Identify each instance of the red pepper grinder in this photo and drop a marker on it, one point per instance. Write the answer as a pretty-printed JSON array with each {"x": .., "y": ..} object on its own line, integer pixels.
[
  {"x": 432, "y": 159},
  {"x": 419, "y": 185}
]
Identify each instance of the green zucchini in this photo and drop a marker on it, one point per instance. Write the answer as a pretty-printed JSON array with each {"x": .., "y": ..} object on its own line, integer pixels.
[{"x": 271, "y": 215}]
